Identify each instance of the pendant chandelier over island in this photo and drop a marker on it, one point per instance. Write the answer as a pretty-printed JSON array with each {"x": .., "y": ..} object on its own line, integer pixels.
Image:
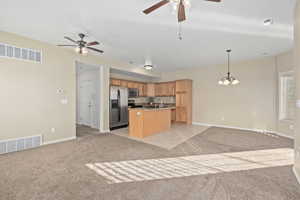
[{"x": 228, "y": 79}]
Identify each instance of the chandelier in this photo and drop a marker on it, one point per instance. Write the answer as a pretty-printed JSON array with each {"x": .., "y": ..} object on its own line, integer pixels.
[{"x": 229, "y": 79}]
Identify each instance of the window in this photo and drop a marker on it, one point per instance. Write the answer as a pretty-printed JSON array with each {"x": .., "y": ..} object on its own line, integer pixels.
[{"x": 287, "y": 96}]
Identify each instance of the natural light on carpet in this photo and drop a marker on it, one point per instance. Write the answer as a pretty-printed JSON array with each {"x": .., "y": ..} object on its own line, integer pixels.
[{"x": 166, "y": 168}]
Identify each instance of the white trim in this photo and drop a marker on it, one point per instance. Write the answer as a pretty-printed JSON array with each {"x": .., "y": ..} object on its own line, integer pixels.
[
  {"x": 224, "y": 126},
  {"x": 59, "y": 141},
  {"x": 104, "y": 131},
  {"x": 244, "y": 129},
  {"x": 296, "y": 174},
  {"x": 282, "y": 135}
]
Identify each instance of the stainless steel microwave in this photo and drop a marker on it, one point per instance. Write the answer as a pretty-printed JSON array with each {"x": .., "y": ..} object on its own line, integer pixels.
[{"x": 133, "y": 92}]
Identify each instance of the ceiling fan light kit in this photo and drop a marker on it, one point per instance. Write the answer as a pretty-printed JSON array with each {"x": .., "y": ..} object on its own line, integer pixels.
[
  {"x": 81, "y": 46},
  {"x": 229, "y": 79}
]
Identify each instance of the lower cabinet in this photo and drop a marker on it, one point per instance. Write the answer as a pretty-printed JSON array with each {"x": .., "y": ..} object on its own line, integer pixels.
[
  {"x": 173, "y": 115},
  {"x": 181, "y": 114}
]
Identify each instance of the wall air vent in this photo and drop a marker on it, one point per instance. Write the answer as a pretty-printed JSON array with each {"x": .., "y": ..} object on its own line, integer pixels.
[
  {"x": 20, "y": 144},
  {"x": 26, "y": 54}
]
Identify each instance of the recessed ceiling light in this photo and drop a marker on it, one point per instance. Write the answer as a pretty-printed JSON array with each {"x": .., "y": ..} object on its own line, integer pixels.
[
  {"x": 268, "y": 22},
  {"x": 148, "y": 67}
]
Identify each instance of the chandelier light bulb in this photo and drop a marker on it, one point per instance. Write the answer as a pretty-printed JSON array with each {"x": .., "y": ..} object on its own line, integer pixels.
[{"x": 235, "y": 82}]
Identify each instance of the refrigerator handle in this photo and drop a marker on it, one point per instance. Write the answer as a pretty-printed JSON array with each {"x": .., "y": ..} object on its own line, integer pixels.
[{"x": 119, "y": 105}]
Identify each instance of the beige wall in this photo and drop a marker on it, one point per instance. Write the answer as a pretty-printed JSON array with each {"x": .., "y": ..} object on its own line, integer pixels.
[
  {"x": 297, "y": 67},
  {"x": 29, "y": 101},
  {"x": 131, "y": 77},
  {"x": 251, "y": 105}
]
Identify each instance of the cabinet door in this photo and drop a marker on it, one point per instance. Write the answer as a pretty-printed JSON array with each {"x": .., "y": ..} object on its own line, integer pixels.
[
  {"x": 165, "y": 89},
  {"x": 158, "y": 89},
  {"x": 161, "y": 89},
  {"x": 172, "y": 87},
  {"x": 181, "y": 100},
  {"x": 181, "y": 114},
  {"x": 150, "y": 89},
  {"x": 115, "y": 82},
  {"x": 145, "y": 89},
  {"x": 132, "y": 84},
  {"x": 124, "y": 83},
  {"x": 181, "y": 86},
  {"x": 173, "y": 115},
  {"x": 141, "y": 89}
]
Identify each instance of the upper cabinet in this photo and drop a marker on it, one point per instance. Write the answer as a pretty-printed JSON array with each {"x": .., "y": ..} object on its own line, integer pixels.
[
  {"x": 123, "y": 83},
  {"x": 115, "y": 82},
  {"x": 132, "y": 84},
  {"x": 183, "y": 85},
  {"x": 165, "y": 89},
  {"x": 148, "y": 89},
  {"x": 142, "y": 87}
]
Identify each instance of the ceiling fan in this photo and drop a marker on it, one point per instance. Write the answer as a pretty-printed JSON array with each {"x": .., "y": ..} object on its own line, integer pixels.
[
  {"x": 82, "y": 46},
  {"x": 181, "y": 7}
]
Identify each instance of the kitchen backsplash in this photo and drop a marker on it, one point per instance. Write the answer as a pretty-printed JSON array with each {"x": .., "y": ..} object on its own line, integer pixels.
[
  {"x": 140, "y": 100},
  {"x": 164, "y": 100}
]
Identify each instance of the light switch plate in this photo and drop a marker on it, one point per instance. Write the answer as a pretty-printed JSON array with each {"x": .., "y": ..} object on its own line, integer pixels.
[
  {"x": 64, "y": 101},
  {"x": 298, "y": 103}
]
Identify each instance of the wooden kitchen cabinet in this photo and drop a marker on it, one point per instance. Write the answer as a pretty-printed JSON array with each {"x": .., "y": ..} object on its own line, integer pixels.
[
  {"x": 150, "y": 90},
  {"x": 142, "y": 87},
  {"x": 171, "y": 89},
  {"x": 181, "y": 114},
  {"x": 183, "y": 85},
  {"x": 115, "y": 82},
  {"x": 165, "y": 89},
  {"x": 173, "y": 115},
  {"x": 181, "y": 89},
  {"x": 158, "y": 89},
  {"x": 132, "y": 84},
  {"x": 184, "y": 101},
  {"x": 124, "y": 83}
]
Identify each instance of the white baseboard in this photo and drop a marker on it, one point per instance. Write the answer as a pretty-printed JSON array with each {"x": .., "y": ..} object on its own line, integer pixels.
[
  {"x": 282, "y": 135},
  {"x": 59, "y": 141},
  {"x": 296, "y": 174},
  {"x": 104, "y": 131},
  {"x": 244, "y": 129}
]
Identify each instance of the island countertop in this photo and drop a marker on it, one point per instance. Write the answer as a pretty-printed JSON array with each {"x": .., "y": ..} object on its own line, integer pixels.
[{"x": 152, "y": 109}]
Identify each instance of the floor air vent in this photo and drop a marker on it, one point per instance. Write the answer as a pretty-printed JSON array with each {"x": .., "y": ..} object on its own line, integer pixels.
[{"x": 20, "y": 144}]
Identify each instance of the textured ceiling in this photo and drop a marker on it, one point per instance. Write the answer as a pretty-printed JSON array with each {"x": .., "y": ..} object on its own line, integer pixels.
[{"x": 128, "y": 35}]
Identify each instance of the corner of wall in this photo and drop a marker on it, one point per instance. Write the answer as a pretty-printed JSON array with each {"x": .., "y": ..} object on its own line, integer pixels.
[{"x": 296, "y": 174}]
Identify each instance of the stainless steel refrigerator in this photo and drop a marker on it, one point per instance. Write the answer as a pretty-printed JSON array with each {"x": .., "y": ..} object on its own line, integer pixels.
[{"x": 118, "y": 107}]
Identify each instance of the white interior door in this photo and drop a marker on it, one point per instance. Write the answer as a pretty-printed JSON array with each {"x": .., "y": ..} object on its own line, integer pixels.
[{"x": 87, "y": 96}]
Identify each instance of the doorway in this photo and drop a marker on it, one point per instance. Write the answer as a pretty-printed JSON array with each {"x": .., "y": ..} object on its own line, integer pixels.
[{"x": 87, "y": 96}]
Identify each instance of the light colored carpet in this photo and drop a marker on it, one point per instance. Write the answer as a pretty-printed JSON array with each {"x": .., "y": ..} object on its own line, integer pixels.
[
  {"x": 59, "y": 171},
  {"x": 178, "y": 134}
]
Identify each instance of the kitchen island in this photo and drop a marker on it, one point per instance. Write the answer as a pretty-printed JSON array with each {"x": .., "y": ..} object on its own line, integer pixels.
[{"x": 144, "y": 122}]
